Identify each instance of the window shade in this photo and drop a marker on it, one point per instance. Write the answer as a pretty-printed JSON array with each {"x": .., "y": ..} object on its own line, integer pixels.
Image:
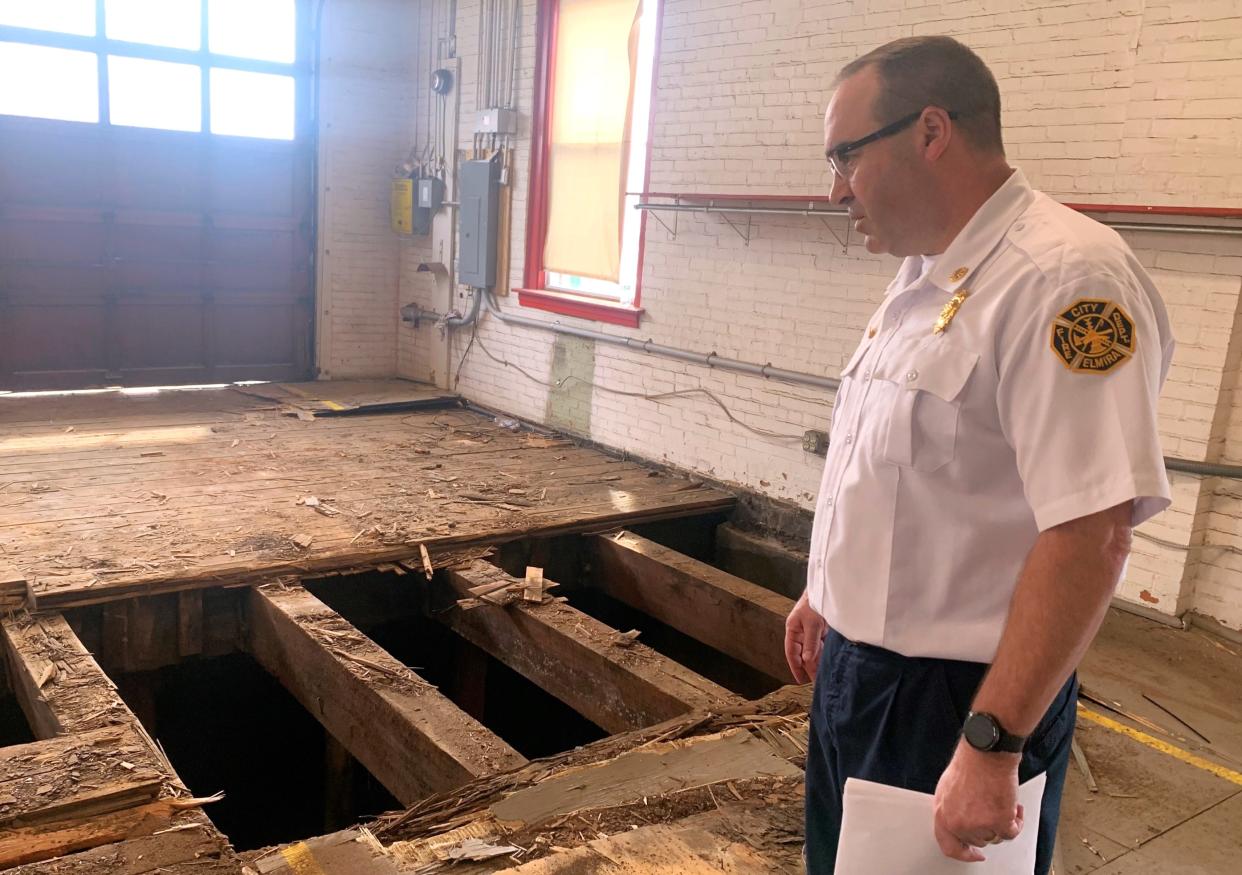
[{"x": 596, "y": 47}]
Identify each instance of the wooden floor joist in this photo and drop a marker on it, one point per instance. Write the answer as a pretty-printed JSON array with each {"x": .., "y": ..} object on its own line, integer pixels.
[
  {"x": 732, "y": 615},
  {"x": 412, "y": 739},
  {"x": 60, "y": 687},
  {"x": 616, "y": 684}
]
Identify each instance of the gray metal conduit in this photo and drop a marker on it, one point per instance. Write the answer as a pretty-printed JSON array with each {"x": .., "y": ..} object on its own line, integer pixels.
[
  {"x": 708, "y": 359},
  {"x": 411, "y": 313}
]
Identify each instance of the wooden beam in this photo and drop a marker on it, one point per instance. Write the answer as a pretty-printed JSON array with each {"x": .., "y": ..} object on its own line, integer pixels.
[
  {"x": 190, "y": 622},
  {"x": 14, "y": 590},
  {"x": 413, "y": 739},
  {"x": 732, "y": 615},
  {"x": 616, "y": 684},
  {"x": 60, "y": 687}
]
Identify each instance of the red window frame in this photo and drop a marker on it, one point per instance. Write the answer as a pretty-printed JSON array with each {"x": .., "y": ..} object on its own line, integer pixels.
[{"x": 534, "y": 291}]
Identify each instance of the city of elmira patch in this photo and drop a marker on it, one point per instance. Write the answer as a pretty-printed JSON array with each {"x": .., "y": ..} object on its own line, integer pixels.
[{"x": 1093, "y": 336}]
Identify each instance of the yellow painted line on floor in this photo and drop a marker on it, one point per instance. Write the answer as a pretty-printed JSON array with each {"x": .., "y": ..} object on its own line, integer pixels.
[
  {"x": 1162, "y": 746},
  {"x": 332, "y": 405},
  {"x": 301, "y": 860}
]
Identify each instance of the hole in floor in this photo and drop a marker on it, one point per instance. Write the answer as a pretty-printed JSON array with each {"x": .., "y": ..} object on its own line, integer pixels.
[
  {"x": 387, "y": 609},
  {"x": 228, "y": 725},
  {"x": 694, "y": 655},
  {"x": 13, "y": 726}
]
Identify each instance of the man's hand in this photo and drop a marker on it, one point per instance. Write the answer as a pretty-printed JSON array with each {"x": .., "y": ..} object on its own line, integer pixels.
[
  {"x": 804, "y": 640},
  {"x": 977, "y": 803}
]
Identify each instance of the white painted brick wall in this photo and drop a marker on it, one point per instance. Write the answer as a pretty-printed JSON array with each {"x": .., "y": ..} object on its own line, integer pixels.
[
  {"x": 1113, "y": 101},
  {"x": 366, "y": 113}
]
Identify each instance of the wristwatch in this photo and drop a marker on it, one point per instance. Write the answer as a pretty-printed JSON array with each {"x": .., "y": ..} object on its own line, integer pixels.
[{"x": 983, "y": 732}]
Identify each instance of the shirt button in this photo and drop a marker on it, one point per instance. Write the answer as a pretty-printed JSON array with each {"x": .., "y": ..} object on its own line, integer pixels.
[
  {"x": 866, "y": 376},
  {"x": 912, "y": 376},
  {"x": 828, "y": 502},
  {"x": 849, "y": 438}
]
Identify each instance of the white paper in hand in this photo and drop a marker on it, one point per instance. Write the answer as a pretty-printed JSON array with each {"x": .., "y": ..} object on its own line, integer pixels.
[{"x": 888, "y": 831}]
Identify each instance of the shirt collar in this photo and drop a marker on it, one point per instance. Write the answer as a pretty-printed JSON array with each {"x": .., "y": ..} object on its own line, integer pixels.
[{"x": 985, "y": 230}]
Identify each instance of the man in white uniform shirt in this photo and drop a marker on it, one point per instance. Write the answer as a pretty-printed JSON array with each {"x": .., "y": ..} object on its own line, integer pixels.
[{"x": 993, "y": 442}]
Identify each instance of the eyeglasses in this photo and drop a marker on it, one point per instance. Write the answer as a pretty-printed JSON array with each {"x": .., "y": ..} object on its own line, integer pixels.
[{"x": 842, "y": 158}]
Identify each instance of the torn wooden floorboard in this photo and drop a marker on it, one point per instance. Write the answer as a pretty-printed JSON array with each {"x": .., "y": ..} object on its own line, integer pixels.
[
  {"x": 732, "y": 615},
  {"x": 753, "y": 838},
  {"x": 192, "y": 848},
  {"x": 750, "y": 754},
  {"x": 411, "y": 738},
  {"x": 616, "y": 684},
  {"x": 195, "y": 503},
  {"x": 79, "y": 791},
  {"x": 70, "y": 704}
]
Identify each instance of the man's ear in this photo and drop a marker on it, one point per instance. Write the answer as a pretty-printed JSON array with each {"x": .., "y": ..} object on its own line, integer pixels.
[{"x": 935, "y": 132}]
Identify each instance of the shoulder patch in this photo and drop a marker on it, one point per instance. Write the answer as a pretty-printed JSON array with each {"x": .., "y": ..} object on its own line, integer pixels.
[{"x": 1093, "y": 336}]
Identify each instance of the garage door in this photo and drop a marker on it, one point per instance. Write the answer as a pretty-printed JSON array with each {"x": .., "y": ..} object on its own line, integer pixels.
[{"x": 156, "y": 192}]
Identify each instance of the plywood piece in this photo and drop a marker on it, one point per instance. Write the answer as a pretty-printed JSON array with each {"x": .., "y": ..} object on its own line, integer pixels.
[
  {"x": 337, "y": 397},
  {"x": 650, "y": 771},
  {"x": 732, "y": 615},
  {"x": 686, "y": 850},
  {"x": 413, "y": 739},
  {"x": 575, "y": 657},
  {"x": 342, "y": 853}
]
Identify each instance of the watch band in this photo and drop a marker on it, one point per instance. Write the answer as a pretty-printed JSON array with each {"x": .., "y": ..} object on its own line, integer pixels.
[{"x": 984, "y": 732}]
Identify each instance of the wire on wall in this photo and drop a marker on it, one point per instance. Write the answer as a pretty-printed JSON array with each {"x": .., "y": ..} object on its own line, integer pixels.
[{"x": 646, "y": 396}]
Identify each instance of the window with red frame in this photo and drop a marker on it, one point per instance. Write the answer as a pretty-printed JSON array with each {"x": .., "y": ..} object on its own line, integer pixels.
[{"x": 593, "y": 105}]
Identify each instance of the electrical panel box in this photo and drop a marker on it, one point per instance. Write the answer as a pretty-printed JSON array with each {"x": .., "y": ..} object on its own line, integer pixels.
[
  {"x": 497, "y": 121},
  {"x": 401, "y": 206},
  {"x": 430, "y": 193},
  {"x": 478, "y": 217}
]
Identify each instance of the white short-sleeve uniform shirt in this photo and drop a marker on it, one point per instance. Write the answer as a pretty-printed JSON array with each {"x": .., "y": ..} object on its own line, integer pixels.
[{"x": 950, "y": 451}]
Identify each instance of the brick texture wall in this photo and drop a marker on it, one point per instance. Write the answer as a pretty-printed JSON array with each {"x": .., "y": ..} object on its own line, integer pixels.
[
  {"x": 1119, "y": 101},
  {"x": 366, "y": 119}
]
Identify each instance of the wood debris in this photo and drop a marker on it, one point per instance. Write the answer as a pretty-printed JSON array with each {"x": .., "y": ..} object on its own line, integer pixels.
[
  {"x": 626, "y": 639},
  {"x": 534, "y": 585}
]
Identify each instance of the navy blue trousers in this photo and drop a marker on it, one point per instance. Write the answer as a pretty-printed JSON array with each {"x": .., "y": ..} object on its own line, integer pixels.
[{"x": 896, "y": 720}]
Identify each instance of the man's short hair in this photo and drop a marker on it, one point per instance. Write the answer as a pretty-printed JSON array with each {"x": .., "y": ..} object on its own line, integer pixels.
[{"x": 921, "y": 71}]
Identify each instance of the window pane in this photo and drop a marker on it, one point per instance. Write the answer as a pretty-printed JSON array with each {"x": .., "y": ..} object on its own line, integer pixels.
[
  {"x": 252, "y": 104},
  {"x": 263, "y": 29},
  {"x": 54, "y": 83},
  {"x": 62, "y": 16},
  {"x": 175, "y": 23},
  {"x": 155, "y": 94}
]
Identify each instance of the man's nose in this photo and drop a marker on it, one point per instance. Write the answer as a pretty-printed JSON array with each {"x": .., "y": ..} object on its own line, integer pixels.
[{"x": 840, "y": 194}]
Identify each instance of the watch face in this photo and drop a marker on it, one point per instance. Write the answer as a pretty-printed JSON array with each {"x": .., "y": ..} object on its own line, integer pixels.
[{"x": 981, "y": 732}]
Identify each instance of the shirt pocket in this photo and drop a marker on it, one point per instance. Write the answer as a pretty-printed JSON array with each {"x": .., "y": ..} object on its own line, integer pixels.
[
  {"x": 922, "y": 429},
  {"x": 848, "y": 378}
]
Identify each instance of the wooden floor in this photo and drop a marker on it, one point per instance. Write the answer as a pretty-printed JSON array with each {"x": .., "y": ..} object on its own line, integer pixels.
[{"x": 106, "y": 496}]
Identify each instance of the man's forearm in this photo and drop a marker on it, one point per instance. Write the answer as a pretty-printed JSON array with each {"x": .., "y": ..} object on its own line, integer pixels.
[{"x": 1061, "y": 598}]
